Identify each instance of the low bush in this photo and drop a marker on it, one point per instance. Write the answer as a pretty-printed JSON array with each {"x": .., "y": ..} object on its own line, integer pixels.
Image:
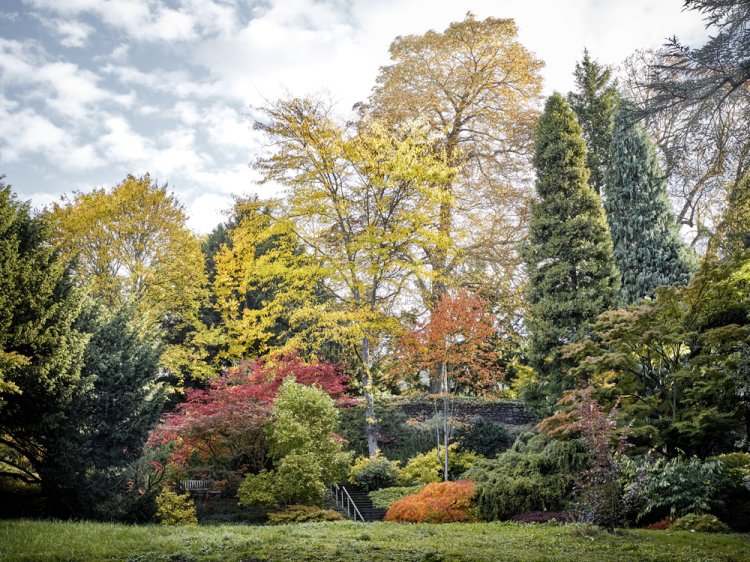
[
  {"x": 543, "y": 517},
  {"x": 534, "y": 475},
  {"x": 386, "y": 497},
  {"x": 662, "y": 524},
  {"x": 680, "y": 486},
  {"x": 302, "y": 514},
  {"x": 175, "y": 509},
  {"x": 374, "y": 473},
  {"x": 439, "y": 502},
  {"x": 484, "y": 437},
  {"x": 736, "y": 510},
  {"x": 428, "y": 467},
  {"x": 700, "y": 523}
]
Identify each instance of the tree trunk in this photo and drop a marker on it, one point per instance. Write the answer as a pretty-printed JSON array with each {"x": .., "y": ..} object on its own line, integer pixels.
[
  {"x": 367, "y": 392},
  {"x": 446, "y": 413}
]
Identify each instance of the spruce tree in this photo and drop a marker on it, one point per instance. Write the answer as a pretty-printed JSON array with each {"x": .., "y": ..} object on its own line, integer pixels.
[
  {"x": 572, "y": 273},
  {"x": 594, "y": 103},
  {"x": 648, "y": 248}
]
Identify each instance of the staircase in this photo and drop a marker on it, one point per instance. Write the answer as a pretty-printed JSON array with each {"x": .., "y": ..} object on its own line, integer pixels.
[{"x": 354, "y": 502}]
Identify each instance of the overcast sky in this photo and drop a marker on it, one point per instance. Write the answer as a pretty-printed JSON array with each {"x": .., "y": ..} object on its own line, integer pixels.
[{"x": 91, "y": 90}]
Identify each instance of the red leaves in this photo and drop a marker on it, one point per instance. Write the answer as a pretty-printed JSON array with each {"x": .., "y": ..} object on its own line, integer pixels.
[
  {"x": 439, "y": 502},
  {"x": 223, "y": 425}
]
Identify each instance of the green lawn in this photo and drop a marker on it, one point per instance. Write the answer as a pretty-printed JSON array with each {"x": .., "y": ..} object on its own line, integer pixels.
[{"x": 344, "y": 541}]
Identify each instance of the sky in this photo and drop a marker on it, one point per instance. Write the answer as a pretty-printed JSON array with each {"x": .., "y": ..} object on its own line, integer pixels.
[{"x": 92, "y": 90}]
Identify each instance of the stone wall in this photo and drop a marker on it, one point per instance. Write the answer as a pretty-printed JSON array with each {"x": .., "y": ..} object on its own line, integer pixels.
[{"x": 509, "y": 412}]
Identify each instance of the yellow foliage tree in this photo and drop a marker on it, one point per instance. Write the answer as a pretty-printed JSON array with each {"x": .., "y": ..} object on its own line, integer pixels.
[
  {"x": 129, "y": 244},
  {"x": 362, "y": 200},
  {"x": 262, "y": 275},
  {"x": 478, "y": 90}
]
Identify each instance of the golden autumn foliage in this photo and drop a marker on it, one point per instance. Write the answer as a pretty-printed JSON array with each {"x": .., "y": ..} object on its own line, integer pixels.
[
  {"x": 439, "y": 502},
  {"x": 262, "y": 276},
  {"x": 130, "y": 244},
  {"x": 477, "y": 91}
]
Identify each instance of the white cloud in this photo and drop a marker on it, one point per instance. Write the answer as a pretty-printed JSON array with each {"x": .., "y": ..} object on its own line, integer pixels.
[{"x": 72, "y": 33}]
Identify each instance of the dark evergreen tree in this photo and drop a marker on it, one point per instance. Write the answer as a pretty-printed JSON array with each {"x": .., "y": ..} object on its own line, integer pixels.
[
  {"x": 121, "y": 403},
  {"x": 594, "y": 103},
  {"x": 648, "y": 249},
  {"x": 39, "y": 305},
  {"x": 572, "y": 273},
  {"x": 732, "y": 237}
]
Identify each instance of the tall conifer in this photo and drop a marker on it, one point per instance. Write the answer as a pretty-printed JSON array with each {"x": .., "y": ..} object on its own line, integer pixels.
[
  {"x": 645, "y": 234},
  {"x": 594, "y": 103},
  {"x": 572, "y": 273}
]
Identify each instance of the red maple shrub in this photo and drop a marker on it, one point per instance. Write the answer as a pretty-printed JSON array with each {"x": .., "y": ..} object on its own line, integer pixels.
[
  {"x": 439, "y": 502},
  {"x": 220, "y": 431},
  {"x": 543, "y": 517}
]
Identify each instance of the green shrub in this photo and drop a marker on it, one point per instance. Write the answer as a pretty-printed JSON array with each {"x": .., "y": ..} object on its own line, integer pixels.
[
  {"x": 374, "y": 473},
  {"x": 679, "y": 487},
  {"x": 534, "y": 475},
  {"x": 736, "y": 511},
  {"x": 701, "y": 523},
  {"x": 175, "y": 509},
  {"x": 307, "y": 452},
  {"x": 484, "y": 437},
  {"x": 302, "y": 514},
  {"x": 428, "y": 467},
  {"x": 386, "y": 497}
]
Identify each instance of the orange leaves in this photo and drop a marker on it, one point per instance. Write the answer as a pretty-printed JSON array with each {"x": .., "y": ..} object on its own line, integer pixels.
[
  {"x": 459, "y": 336},
  {"x": 439, "y": 502}
]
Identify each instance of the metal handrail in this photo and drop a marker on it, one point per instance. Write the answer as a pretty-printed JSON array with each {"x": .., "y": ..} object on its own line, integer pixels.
[{"x": 349, "y": 502}]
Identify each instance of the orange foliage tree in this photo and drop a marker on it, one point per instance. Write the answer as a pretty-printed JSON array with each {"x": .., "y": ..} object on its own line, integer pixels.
[
  {"x": 439, "y": 502},
  {"x": 460, "y": 339}
]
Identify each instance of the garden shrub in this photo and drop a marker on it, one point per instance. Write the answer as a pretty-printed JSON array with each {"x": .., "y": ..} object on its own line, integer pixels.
[
  {"x": 386, "y": 497},
  {"x": 438, "y": 502},
  {"x": 484, "y": 437},
  {"x": 428, "y": 467},
  {"x": 662, "y": 524},
  {"x": 534, "y": 475},
  {"x": 373, "y": 473},
  {"x": 678, "y": 487},
  {"x": 175, "y": 509},
  {"x": 702, "y": 523},
  {"x": 307, "y": 452},
  {"x": 736, "y": 510},
  {"x": 302, "y": 514},
  {"x": 543, "y": 517}
]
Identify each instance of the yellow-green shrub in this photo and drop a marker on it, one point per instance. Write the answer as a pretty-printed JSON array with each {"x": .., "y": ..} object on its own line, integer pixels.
[
  {"x": 175, "y": 509},
  {"x": 427, "y": 468}
]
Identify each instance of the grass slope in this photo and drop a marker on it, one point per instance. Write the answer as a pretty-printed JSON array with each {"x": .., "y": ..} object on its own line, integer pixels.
[{"x": 345, "y": 541}]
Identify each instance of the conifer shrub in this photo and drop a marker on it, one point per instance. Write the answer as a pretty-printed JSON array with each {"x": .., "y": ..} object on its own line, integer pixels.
[
  {"x": 438, "y": 502},
  {"x": 534, "y": 475},
  {"x": 374, "y": 473},
  {"x": 702, "y": 523},
  {"x": 302, "y": 514},
  {"x": 175, "y": 509},
  {"x": 386, "y": 497}
]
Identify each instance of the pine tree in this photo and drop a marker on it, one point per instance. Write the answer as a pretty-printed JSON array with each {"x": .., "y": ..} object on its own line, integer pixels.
[
  {"x": 572, "y": 274},
  {"x": 648, "y": 248},
  {"x": 594, "y": 104}
]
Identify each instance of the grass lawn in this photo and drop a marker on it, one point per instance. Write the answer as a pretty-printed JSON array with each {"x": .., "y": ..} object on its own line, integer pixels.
[{"x": 43, "y": 541}]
